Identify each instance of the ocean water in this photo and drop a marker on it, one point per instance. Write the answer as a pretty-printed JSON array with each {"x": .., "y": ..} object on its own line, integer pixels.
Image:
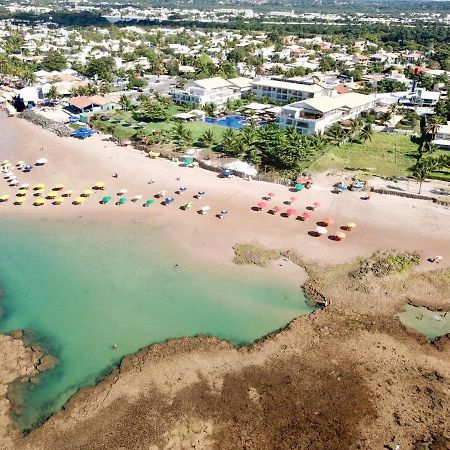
[
  {"x": 82, "y": 286},
  {"x": 432, "y": 324}
]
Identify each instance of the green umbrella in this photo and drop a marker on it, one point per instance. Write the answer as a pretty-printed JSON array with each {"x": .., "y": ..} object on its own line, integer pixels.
[
  {"x": 298, "y": 186},
  {"x": 106, "y": 199},
  {"x": 149, "y": 202},
  {"x": 122, "y": 200},
  {"x": 188, "y": 205}
]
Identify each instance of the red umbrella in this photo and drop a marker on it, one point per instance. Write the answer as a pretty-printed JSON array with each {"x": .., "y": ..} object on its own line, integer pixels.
[
  {"x": 270, "y": 194},
  {"x": 306, "y": 215},
  {"x": 261, "y": 205},
  {"x": 291, "y": 212},
  {"x": 292, "y": 199},
  {"x": 316, "y": 204},
  {"x": 276, "y": 209},
  {"x": 328, "y": 221}
]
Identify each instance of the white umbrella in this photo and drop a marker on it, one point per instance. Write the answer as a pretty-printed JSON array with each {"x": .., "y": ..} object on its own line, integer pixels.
[
  {"x": 24, "y": 186},
  {"x": 41, "y": 161},
  {"x": 138, "y": 197},
  {"x": 321, "y": 230},
  {"x": 11, "y": 178},
  {"x": 123, "y": 191},
  {"x": 14, "y": 183}
]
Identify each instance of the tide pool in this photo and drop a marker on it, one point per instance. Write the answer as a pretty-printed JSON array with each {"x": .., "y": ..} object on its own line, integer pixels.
[{"x": 83, "y": 286}]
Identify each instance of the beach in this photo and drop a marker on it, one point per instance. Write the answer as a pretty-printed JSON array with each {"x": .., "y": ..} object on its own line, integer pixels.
[{"x": 349, "y": 376}]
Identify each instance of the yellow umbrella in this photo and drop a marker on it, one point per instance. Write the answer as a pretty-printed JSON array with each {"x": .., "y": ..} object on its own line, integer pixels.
[
  {"x": 4, "y": 197},
  {"x": 19, "y": 201},
  {"x": 58, "y": 200},
  {"x": 20, "y": 163},
  {"x": 99, "y": 185},
  {"x": 68, "y": 193},
  {"x": 351, "y": 225},
  {"x": 51, "y": 195},
  {"x": 86, "y": 193},
  {"x": 39, "y": 191},
  {"x": 22, "y": 192},
  {"x": 39, "y": 202},
  {"x": 78, "y": 201},
  {"x": 39, "y": 186},
  {"x": 58, "y": 187},
  {"x": 5, "y": 161}
]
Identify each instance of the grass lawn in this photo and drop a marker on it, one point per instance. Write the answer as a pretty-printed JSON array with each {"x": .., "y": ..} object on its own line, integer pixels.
[{"x": 385, "y": 155}]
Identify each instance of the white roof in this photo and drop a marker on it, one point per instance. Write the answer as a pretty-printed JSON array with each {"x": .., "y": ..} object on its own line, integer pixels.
[
  {"x": 288, "y": 85},
  {"x": 212, "y": 83},
  {"x": 241, "y": 82},
  {"x": 326, "y": 104},
  {"x": 444, "y": 129},
  {"x": 257, "y": 106}
]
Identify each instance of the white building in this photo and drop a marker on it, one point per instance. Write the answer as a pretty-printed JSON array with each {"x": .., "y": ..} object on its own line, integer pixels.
[
  {"x": 287, "y": 91},
  {"x": 210, "y": 90},
  {"x": 316, "y": 115},
  {"x": 442, "y": 137}
]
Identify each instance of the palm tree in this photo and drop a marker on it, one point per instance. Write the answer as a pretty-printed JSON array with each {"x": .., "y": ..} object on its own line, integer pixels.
[
  {"x": 208, "y": 138},
  {"x": 229, "y": 141},
  {"x": 433, "y": 125},
  {"x": 125, "y": 102},
  {"x": 53, "y": 94},
  {"x": 178, "y": 131},
  {"x": 188, "y": 137},
  {"x": 210, "y": 109},
  {"x": 424, "y": 167},
  {"x": 393, "y": 108},
  {"x": 336, "y": 134},
  {"x": 385, "y": 117},
  {"x": 229, "y": 105},
  {"x": 366, "y": 132}
]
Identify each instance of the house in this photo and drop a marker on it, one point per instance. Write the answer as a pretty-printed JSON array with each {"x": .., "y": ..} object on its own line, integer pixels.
[
  {"x": 287, "y": 91},
  {"x": 442, "y": 137},
  {"x": 317, "y": 114},
  {"x": 242, "y": 83},
  {"x": 423, "y": 97},
  {"x": 209, "y": 90},
  {"x": 94, "y": 103}
]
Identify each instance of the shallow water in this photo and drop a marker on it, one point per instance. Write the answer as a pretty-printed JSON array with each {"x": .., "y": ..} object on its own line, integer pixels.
[
  {"x": 432, "y": 324},
  {"x": 83, "y": 286}
]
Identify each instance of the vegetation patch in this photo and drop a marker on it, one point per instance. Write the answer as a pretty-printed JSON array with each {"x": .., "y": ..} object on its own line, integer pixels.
[
  {"x": 384, "y": 264},
  {"x": 254, "y": 254}
]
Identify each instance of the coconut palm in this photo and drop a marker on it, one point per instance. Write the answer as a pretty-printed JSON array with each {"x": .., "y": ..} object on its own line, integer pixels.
[
  {"x": 188, "y": 138},
  {"x": 366, "y": 132},
  {"x": 229, "y": 141},
  {"x": 208, "y": 139},
  {"x": 433, "y": 125},
  {"x": 385, "y": 117},
  {"x": 336, "y": 134},
  {"x": 53, "y": 94},
  {"x": 210, "y": 109},
  {"x": 393, "y": 108},
  {"x": 125, "y": 102}
]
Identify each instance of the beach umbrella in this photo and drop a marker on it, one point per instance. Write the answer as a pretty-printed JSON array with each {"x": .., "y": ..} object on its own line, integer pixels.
[
  {"x": 67, "y": 193},
  {"x": 58, "y": 187},
  {"x": 342, "y": 187},
  {"x": 291, "y": 212},
  {"x": 14, "y": 183},
  {"x": 39, "y": 202},
  {"x": 51, "y": 195},
  {"x": 39, "y": 186},
  {"x": 340, "y": 235},
  {"x": 106, "y": 199},
  {"x": 182, "y": 189},
  {"x": 200, "y": 194},
  {"x": 39, "y": 191},
  {"x": 270, "y": 195},
  {"x": 5, "y": 161},
  {"x": 122, "y": 200},
  {"x": 188, "y": 205},
  {"x": 11, "y": 178},
  {"x": 261, "y": 205},
  {"x": 328, "y": 221},
  {"x": 87, "y": 193},
  {"x": 168, "y": 200},
  {"x": 161, "y": 194},
  {"x": 227, "y": 173},
  {"x": 58, "y": 201},
  {"x": 350, "y": 226},
  {"x": 78, "y": 201},
  {"x": 149, "y": 202},
  {"x": 22, "y": 192},
  {"x": 306, "y": 215},
  {"x": 316, "y": 205},
  {"x": 276, "y": 209},
  {"x": 24, "y": 186},
  {"x": 298, "y": 186},
  {"x": 292, "y": 199},
  {"x": 41, "y": 161},
  {"x": 137, "y": 197},
  {"x": 99, "y": 185},
  {"x": 4, "y": 197},
  {"x": 205, "y": 209},
  {"x": 122, "y": 191},
  {"x": 20, "y": 163},
  {"x": 321, "y": 230},
  {"x": 19, "y": 201}
]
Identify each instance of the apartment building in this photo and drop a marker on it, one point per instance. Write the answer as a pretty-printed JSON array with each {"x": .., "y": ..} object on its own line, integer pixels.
[
  {"x": 442, "y": 137},
  {"x": 287, "y": 91},
  {"x": 315, "y": 115},
  {"x": 210, "y": 90}
]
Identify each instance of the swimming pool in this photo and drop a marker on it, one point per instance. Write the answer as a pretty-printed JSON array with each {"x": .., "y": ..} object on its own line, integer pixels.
[{"x": 235, "y": 122}]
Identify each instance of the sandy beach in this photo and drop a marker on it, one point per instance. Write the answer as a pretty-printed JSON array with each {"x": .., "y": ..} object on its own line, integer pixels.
[
  {"x": 349, "y": 376},
  {"x": 384, "y": 222}
]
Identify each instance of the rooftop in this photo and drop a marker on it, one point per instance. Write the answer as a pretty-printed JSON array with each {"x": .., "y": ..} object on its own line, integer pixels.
[{"x": 312, "y": 88}]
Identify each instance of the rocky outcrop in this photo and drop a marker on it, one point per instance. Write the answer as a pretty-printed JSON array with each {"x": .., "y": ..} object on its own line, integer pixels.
[{"x": 51, "y": 125}]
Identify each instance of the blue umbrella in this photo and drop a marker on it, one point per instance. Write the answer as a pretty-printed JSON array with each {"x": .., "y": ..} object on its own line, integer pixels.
[{"x": 169, "y": 200}]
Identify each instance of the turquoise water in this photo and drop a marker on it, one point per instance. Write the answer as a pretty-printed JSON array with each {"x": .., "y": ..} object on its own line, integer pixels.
[
  {"x": 84, "y": 286},
  {"x": 432, "y": 324}
]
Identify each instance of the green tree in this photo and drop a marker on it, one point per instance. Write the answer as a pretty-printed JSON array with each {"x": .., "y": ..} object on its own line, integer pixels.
[
  {"x": 103, "y": 68},
  {"x": 54, "y": 60},
  {"x": 424, "y": 167},
  {"x": 125, "y": 102},
  {"x": 210, "y": 109},
  {"x": 152, "y": 111},
  {"x": 53, "y": 94},
  {"x": 208, "y": 139}
]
